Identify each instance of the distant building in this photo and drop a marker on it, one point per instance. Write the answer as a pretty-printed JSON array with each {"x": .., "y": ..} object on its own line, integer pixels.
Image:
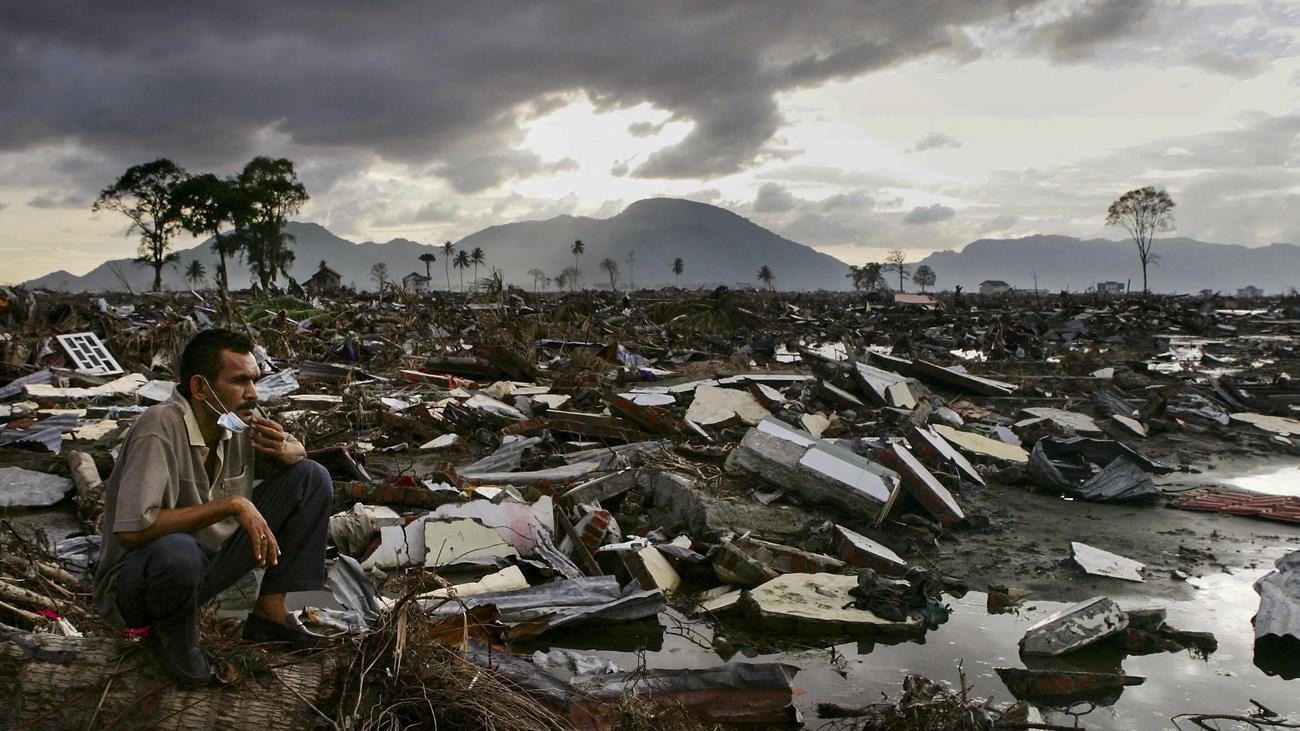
[
  {"x": 1250, "y": 292},
  {"x": 1111, "y": 288},
  {"x": 415, "y": 282},
  {"x": 994, "y": 287},
  {"x": 923, "y": 301},
  {"x": 324, "y": 281}
]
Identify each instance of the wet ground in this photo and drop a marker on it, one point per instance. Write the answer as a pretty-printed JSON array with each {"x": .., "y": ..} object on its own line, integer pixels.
[{"x": 855, "y": 673}]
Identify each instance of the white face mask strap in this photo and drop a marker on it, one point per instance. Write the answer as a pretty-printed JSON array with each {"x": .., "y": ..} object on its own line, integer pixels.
[{"x": 213, "y": 391}]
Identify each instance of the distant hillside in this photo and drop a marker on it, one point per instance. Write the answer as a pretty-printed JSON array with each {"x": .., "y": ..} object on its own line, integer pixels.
[
  {"x": 1061, "y": 262},
  {"x": 312, "y": 244},
  {"x": 717, "y": 246}
]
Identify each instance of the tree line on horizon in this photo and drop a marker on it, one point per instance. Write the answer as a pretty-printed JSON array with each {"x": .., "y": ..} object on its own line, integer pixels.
[{"x": 245, "y": 214}]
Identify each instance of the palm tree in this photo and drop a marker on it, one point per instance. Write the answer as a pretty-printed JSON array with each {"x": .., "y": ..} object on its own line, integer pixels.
[
  {"x": 611, "y": 268},
  {"x": 477, "y": 257},
  {"x": 447, "y": 249},
  {"x": 766, "y": 276},
  {"x": 428, "y": 258},
  {"x": 561, "y": 279},
  {"x": 577, "y": 250},
  {"x": 462, "y": 263},
  {"x": 194, "y": 272},
  {"x": 537, "y": 275},
  {"x": 679, "y": 266}
]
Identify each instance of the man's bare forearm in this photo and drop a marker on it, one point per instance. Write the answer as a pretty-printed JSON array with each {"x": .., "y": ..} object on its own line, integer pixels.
[{"x": 184, "y": 520}]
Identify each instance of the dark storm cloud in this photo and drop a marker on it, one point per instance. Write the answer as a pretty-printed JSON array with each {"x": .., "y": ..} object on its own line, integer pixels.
[
  {"x": 935, "y": 141},
  {"x": 922, "y": 215},
  {"x": 439, "y": 85},
  {"x": 773, "y": 198},
  {"x": 1241, "y": 67},
  {"x": 58, "y": 199},
  {"x": 1097, "y": 23}
]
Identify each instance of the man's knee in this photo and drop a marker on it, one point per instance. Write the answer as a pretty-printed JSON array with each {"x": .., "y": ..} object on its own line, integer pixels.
[
  {"x": 175, "y": 559},
  {"x": 314, "y": 480}
]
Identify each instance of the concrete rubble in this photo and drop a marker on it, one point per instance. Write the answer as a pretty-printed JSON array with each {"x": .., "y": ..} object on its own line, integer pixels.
[{"x": 551, "y": 467}]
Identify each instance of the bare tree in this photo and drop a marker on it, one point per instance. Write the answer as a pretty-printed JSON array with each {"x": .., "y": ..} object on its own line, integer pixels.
[
  {"x": 1143, "y": 213},
  {"x": 379, "y": 273},
  {"x": 611, "y": 270},
  {"x": 896, "y": 261},
  {"x": 631, "y": 269},
  {"x": 537, "y": 275}
]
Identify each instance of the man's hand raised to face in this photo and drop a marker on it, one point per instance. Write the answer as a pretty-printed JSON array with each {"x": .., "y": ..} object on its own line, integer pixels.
[{"x": 271, "y": 438}]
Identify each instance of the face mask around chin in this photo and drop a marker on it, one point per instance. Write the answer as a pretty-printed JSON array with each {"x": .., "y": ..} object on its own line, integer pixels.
[
  {"x": 231, "y": 422},
  {"x": 227, "y": 420}
]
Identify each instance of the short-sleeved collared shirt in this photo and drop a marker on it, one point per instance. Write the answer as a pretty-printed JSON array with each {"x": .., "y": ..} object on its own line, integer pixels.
[{"x": 161, "y": 465}]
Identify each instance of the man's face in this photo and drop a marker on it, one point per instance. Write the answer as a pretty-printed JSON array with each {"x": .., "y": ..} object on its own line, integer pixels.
[{"x": 234, "y": 383}]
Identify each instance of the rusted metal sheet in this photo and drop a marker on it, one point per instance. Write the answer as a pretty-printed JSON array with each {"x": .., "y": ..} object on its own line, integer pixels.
[
  {"x": 1060, "y": 685},
  {"x": 1269, "y": 507}
]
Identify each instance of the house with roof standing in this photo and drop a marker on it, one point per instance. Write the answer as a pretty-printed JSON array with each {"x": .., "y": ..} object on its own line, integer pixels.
[
  {"x": 415, "y": 282},
  {"x": 324, "y": 281},
  {"x": 994, "y": 287}
]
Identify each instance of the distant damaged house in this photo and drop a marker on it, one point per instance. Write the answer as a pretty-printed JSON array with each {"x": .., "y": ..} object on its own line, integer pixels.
[
  {"x": 1111, "y": 288},
  {"x": 415, "y": 282},
  {"x": 325, "y": 280},
  {"x": 994, "y": 287},
  {"x": 1250, "y": 292}
]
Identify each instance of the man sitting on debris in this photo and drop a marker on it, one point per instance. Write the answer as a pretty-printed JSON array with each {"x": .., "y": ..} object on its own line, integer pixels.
[{"x": 183, "y": 521}]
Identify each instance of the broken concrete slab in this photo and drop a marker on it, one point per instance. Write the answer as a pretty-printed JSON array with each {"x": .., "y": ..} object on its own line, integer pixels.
[
  {"x": 124, "y": 386},
  {"x": 864, "y": 553},
  {"x": 649, "y": 567},
  {"x": 817, "y": 603},
  {"x": 938, "y": 450},
  {"x": 713, "y": 405},
  {"x": 965, "y": 381},
  {"x": 510, "y": 578},
  {"x": 1275, "y": 424},
  {"x": 512, "y": 520},
  {"x": 1132, "y": 425},
  {"x": 1079, "y": 423},
  {"x": 1097, "y": 562},
  {"x": 815, "y": 469},
  {"x": 27, "y": 488},
  {"x": 1073, "y": 627},
  {"x": 461, "y": 540},
  {"x": 921, "y": 484},
  {"x": 982, "y": 446},
  {"x": 720, "y": 599},
  {"x": 875, "y": 384}
]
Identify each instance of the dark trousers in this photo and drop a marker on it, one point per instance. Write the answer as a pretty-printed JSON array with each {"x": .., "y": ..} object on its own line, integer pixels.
[{"x": 163, "y": 584}]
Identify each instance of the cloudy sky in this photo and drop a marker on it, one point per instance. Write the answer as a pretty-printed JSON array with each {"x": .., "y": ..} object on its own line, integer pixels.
[{"x": 854, "y": 126}]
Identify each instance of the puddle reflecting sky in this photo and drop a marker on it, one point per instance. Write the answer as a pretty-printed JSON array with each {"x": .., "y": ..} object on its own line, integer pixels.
[
  {"x": 859, "y": 673},
  {"x": 1271, "y": 481}
]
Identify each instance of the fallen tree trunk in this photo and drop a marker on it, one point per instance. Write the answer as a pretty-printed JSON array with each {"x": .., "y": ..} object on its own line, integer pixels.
[{"x": 54, "y": 682}]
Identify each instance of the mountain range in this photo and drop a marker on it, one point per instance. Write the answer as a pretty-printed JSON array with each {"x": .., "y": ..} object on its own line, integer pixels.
[
  {"x": 721, "y": 247},
  {"x": 1067, "y": 263},
  {"x": 717, "y": 246}
]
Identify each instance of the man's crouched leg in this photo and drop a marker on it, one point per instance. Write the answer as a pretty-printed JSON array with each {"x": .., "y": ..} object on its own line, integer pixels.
[
  {"x": 158, "y": 587},
  {"x": 296, "y": 505}
]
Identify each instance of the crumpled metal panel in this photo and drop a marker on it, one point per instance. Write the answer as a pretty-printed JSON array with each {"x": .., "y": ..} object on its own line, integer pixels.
[{"x": 1279, "y": 599}]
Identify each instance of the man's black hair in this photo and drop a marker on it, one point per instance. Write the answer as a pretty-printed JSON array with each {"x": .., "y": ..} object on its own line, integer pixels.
[{"x": 202, "y": 356}]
